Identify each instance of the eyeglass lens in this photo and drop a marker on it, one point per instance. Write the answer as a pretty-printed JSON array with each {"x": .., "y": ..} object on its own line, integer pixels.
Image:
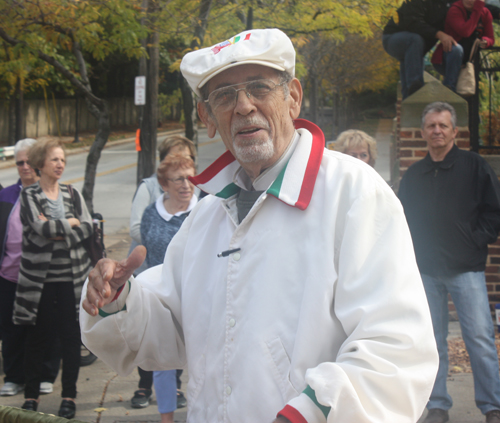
[
  {"x": 179, "y": 181},
  {"x": 225, "y": 98},
  {"x": 22, "y": 163}
]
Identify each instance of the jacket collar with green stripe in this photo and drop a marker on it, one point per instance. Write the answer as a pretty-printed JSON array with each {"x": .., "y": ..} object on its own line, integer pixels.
[{"x": 294, "y": 184}]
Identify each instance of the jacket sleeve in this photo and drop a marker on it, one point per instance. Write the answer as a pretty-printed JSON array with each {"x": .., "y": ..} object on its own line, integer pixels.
[
  {"x": 125, "y": 334},
  {"x": 31, "y": 209},
  {"x": 79, "y": 233},
  {"x": 457, "y": 23},
  {"x": 488, "y": 35},
  {"x": 141, "y": 200},
  {"x": 386, "y": 367},
  {"x": 145, "y": 226},
  {"x": 488, "y": 223}
]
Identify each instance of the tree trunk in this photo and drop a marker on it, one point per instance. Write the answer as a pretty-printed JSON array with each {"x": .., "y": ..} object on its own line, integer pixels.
[
  {"x": 103, "y": 131},
  {"x": 249, "y": 18},
  {"x": 187, "y": 96},
  {"x": 11, "y": 137},
  {"x": 16, "y": 127},
  {"x": 146, "y": 165},
  {"x": 187, "y": 105},
  {"x": 313, "y": 98}
]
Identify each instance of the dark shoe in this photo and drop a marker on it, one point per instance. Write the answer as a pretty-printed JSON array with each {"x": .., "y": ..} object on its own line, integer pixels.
[
  {"x": 413, "y": 88},
  {"x": 493, "y": 416},
  {"x": 67, "y": 409},
  {"x": 436, "y": 415},
  {"x": 181, "y": 399},
  {"x": 141, "y": 398},
  {"x": 30, "y": 405}
]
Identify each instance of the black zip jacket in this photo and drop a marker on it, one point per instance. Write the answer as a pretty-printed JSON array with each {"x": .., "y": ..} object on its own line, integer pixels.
[
  {"x": 426, "y": 18},
  {"x": 453, "y": 211}
]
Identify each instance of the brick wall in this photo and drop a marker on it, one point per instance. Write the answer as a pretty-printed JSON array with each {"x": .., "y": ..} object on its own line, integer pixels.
[
  {"x": 412, "y": 147},
  {"x": 493, "y": 274}
]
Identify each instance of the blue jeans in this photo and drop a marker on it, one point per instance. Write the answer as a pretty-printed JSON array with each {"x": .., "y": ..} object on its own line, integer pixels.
[
  {"x": 468, "y": 292},
  {"x": 166, "y": 390},
  {"x": 409, "y": 49},
  {"x": 450, "y": 68}
]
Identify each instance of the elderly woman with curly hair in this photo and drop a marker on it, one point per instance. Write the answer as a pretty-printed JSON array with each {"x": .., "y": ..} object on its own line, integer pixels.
[
  {"x": 358, "y": 144},
  {"x": 54, "y": 266},
  {"x": 160, "y": 222}
]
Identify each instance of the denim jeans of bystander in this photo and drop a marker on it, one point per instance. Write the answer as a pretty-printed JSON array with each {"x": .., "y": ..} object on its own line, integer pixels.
[
  {"x": 409, "y": 49},
  {"x": 468, "y": 292}
]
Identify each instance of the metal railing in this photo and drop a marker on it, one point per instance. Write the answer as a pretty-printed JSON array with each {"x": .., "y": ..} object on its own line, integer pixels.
[{"x": 486, "y": 62}]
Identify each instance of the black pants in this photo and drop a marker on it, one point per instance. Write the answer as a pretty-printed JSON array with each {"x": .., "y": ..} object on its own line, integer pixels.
[
  {"x": 146, "y": 378},
  {"x": 56, "y": 317},
  {"x": 13, "y": 336}
]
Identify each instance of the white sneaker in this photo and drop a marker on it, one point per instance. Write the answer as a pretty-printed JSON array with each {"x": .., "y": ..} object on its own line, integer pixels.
[
  {"x": 46, "y": 388},
  {"x": 10, "y": 388}
]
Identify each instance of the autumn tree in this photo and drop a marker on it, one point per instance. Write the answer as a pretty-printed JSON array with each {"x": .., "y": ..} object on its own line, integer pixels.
[
  {"x": 314, "y": 26},
  {"x": 62, "y": 33}
]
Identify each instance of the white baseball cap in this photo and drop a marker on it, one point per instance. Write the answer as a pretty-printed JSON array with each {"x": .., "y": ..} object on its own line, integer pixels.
[{"x": 266, "y": 47}]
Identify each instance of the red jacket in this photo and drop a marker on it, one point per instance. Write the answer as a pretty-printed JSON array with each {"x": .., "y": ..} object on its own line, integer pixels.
[{"x": 459, "y": 26}]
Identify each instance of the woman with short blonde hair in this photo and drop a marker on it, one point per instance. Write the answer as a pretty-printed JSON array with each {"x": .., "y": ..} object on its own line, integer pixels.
[{"x": 358, "y": 144}]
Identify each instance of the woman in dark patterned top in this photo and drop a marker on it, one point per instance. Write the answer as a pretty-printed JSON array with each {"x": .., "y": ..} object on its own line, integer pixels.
[
  {"x": 54, "y": 266},
  {"x": 160, "y": 222}
]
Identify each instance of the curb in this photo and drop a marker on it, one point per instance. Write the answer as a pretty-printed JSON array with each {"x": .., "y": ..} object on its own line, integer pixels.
[{"x": 10, "y": 163}]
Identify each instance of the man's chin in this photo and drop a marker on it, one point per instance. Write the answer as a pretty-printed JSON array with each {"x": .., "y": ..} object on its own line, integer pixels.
[{"x": 253, "y": 155}]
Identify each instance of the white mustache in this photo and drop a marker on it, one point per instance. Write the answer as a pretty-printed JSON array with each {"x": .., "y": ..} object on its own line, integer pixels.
[{"x": 252, "y": 121}]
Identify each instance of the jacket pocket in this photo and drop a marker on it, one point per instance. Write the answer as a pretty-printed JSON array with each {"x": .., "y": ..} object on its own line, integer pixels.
[{"x": 282, "y": 366}]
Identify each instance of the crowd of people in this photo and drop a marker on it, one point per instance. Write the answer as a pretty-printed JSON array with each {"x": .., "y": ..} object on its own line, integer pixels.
[{"x": 43, "y": 265}]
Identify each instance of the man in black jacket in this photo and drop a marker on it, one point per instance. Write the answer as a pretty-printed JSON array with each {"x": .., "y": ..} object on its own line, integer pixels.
[
  {"x": 451, "y": 199},
  {"x": 413, "y": 31}
]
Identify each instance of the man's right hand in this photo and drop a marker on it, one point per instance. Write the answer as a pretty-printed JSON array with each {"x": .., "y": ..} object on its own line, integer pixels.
[
  {"x": 107, "y": 277},
  {"x": 447, "y": 40}
]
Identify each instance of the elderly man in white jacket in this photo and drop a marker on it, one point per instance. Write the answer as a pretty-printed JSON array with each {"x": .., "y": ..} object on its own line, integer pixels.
[{"x": 291, "y": 293}]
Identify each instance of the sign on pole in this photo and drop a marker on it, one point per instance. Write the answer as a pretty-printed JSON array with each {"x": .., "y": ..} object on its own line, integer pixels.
[{"x": 140, "y": 91}]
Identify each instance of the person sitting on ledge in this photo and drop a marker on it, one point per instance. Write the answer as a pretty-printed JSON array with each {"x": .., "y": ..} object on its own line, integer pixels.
[{"x": 466, "y": 21}]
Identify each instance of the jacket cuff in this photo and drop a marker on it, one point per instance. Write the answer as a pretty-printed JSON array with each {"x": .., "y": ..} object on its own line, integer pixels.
[
  {"x": 292, "y": 415},
  {"x": 117, "y": 305},
  {"x": 305, "y": 408}
]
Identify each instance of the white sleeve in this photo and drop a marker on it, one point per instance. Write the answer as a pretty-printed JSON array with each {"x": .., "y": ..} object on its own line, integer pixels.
[
  {"x": 142, "y": 199},
  {"x": 143, "y": 327}
]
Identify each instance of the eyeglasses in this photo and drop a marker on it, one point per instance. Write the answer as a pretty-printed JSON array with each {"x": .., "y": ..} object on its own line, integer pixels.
[
  {"x": 224, "y": 99},
  {"x": 179, "y": 181},
  {"x": 22, "y": 163}
]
